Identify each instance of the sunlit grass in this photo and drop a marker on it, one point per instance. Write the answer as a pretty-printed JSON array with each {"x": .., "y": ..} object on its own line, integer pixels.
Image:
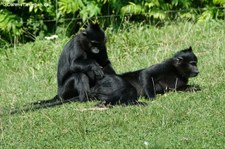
[{"x": 173, "y": 120}]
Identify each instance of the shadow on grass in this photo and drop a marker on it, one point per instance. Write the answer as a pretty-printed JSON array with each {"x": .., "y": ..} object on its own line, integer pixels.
[
  {"x": 56, "y": 101},
  {"x": 43, "y": 104}
]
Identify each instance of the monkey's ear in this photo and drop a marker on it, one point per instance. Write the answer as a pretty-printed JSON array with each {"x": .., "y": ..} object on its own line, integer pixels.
[
  {"x": 178, "y": 60},
  {"x": 95, "y": 26},
  {"x": 190, "y": 48}
]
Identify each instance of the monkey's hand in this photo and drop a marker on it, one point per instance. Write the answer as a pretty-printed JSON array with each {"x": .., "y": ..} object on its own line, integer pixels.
[
  {"x": 192, "y": 88},
  {"x": 96, "y": 68}
]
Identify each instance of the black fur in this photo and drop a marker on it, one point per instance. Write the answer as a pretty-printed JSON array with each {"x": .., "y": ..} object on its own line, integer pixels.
[
  {"x": 112, "y": 90},
  {"x": 171, "y": 74}
]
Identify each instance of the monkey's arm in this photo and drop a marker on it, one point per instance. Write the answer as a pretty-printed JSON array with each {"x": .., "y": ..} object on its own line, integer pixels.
[
  {"x": 104, "y": 61},
  {"x": 108, "y": 69},
  {"x": 150, "y": 78},
  {"x": 148, "y": 83},
  {"x": 86, "y": 65}
]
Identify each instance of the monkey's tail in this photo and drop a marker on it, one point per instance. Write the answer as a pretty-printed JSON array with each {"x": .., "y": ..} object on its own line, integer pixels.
[
  {"x": 43, "y": 104},
  {"x": 54, "y": 102}
]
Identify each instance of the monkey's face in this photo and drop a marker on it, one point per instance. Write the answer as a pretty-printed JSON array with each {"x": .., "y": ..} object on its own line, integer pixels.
[
  {"x": 186, "y": 65},
  {"x": 193, "y": 69},
  {"x": 96, "y": 46},
  {"x": 95, "y": 39}
]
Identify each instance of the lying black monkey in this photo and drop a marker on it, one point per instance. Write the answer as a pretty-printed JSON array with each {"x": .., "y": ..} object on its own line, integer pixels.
[{"x": 171, "y": 74}]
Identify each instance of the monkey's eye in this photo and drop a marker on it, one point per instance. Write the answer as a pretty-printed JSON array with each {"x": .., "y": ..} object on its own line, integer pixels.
[
  {"x": 94, "y": 43},
  {"x": 193, "y": 63}
]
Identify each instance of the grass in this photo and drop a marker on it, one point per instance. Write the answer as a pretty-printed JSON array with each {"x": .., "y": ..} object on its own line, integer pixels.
[{"x": 173, "y": 120}]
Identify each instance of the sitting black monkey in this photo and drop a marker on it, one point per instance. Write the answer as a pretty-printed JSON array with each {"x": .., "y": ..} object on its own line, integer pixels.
[
  {"x": 83, "y": 61},
  {"x": 171, "y": 74}
]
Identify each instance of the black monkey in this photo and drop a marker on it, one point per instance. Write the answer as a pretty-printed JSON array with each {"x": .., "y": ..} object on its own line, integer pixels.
[
  {"x": 83, "y": 61},
  {"x": 171, "y": 74}
]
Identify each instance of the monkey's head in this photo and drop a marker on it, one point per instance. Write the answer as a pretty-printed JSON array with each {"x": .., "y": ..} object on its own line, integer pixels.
[
  {"x": 185, "y": 61},
  {"x": 93, "y": 38}
]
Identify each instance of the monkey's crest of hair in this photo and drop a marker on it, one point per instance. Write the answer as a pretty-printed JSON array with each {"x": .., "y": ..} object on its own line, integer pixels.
[
  {"x": 95, "y": 26},
  {"x": 183, "y": 52}
]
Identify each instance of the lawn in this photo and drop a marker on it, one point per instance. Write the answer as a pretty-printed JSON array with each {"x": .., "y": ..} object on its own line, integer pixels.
[{"x": 172, "y": 120}]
